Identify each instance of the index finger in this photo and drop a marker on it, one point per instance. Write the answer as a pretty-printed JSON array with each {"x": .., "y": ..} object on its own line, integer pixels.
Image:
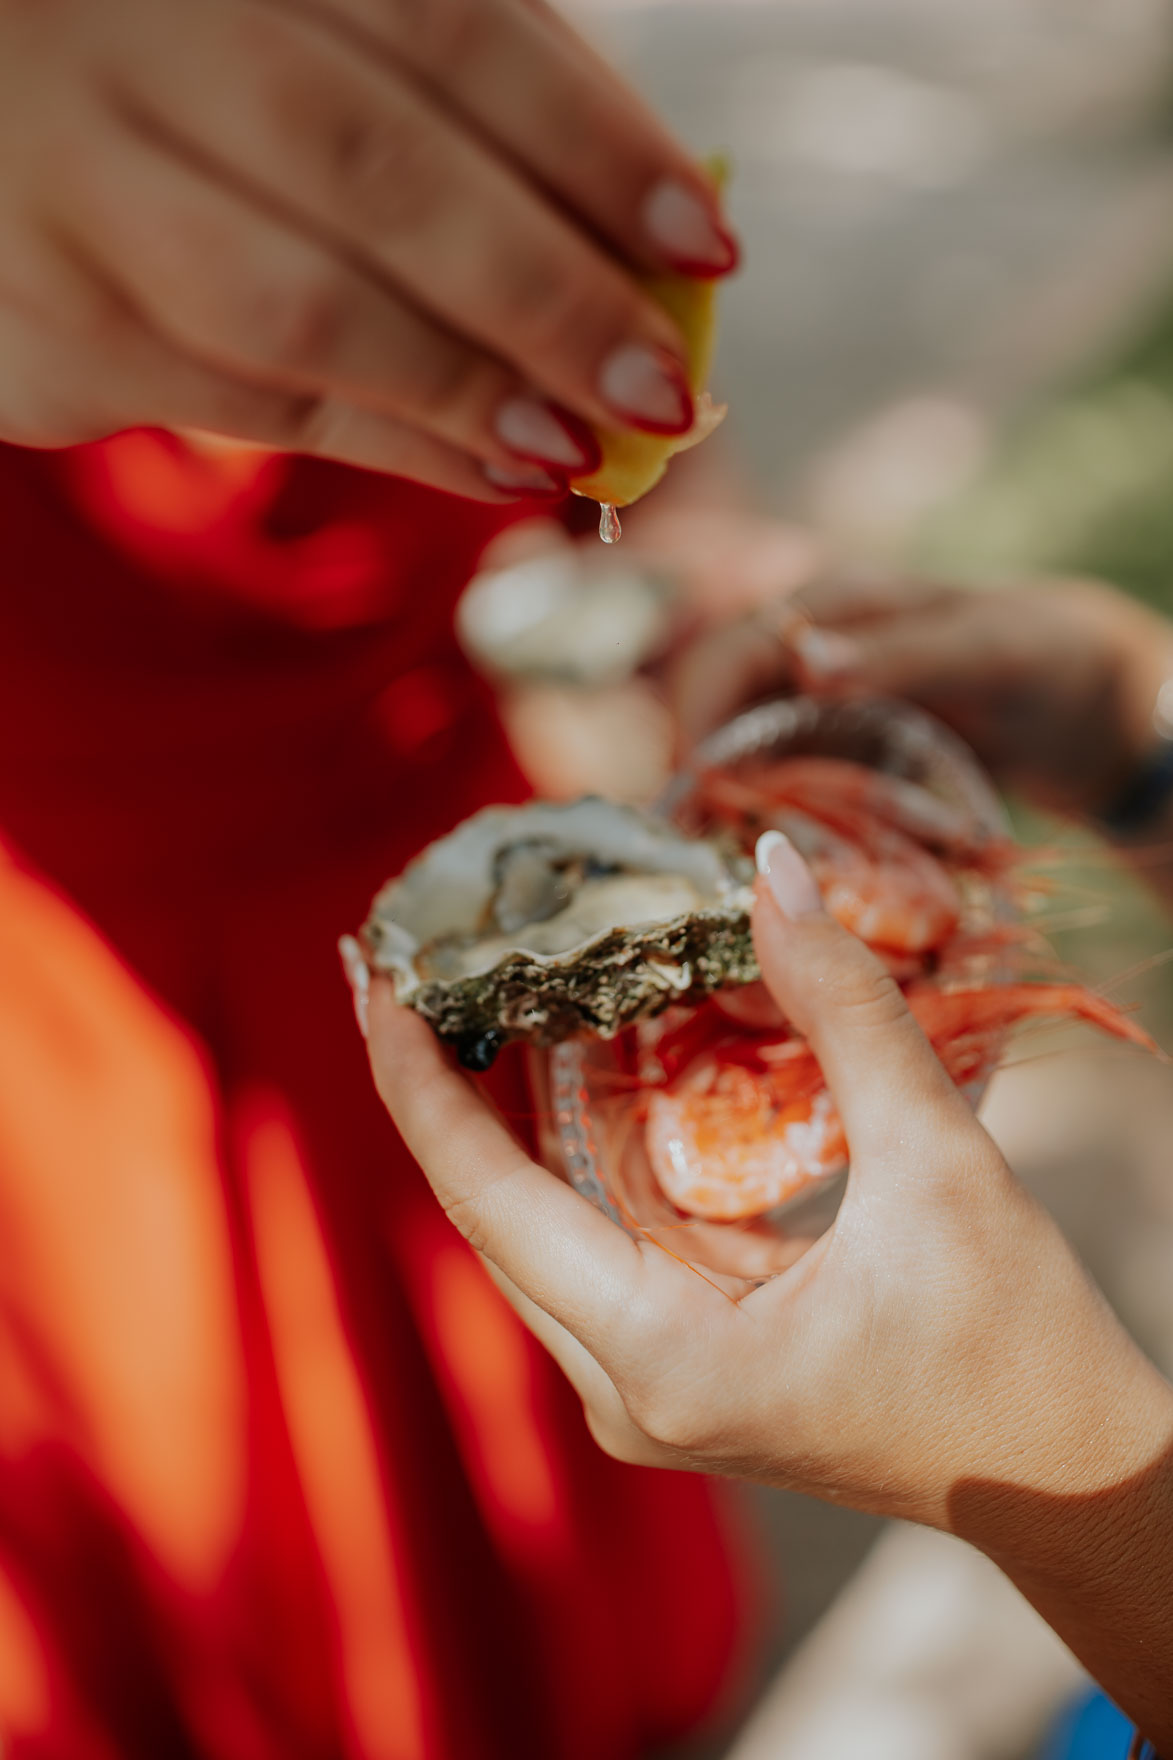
[
  {"x": 848, "y": 595},
  {"x": 561, "y": 1252}
]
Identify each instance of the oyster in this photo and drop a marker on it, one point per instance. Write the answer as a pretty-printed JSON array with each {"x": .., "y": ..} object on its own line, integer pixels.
[{"x": 543, "y": 921}]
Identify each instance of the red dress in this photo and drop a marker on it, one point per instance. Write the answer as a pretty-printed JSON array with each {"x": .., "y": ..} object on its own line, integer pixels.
[{"x": 280, "y": 1476}]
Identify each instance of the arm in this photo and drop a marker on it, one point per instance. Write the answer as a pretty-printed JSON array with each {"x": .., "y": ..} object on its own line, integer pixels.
[
  {"x": 1090, "y": 1545},
  {"x": 939, "y": 1355}
]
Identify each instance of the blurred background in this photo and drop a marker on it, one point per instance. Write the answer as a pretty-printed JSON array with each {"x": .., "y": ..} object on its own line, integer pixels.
[
  {"x": 952, "y": 344},
  {"x": 947, "y": 209}
]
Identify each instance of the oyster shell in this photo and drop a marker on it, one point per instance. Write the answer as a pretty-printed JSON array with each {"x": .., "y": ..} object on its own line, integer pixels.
[{"x": 543, "y": 921}]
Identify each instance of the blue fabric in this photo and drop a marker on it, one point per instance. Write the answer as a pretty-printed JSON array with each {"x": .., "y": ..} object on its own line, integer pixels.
[{"x": 1092, "y": 1730}]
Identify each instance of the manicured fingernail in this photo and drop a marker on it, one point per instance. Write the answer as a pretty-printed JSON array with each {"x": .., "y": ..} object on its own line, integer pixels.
[
  {"x": 824, "y": 653},
  {"x": 527, "y": 480},
  {"x": 791, "y": 882},
  {"x": 358, "y": 976},
  {"x": 646, "y": 388},
  {"x": 684, "y": 230},
  {"x": 547, "y": 434}
]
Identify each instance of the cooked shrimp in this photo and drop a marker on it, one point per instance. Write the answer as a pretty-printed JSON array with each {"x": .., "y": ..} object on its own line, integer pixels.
[
  {"x": 748, "y": 1124},
  {"x": 732, "y": 1147},
  {"x": 736, "y": 1116},
  {"x": 848, "y": 795},
  {"x": 852, "y": 825},
  {"x": 967, "y": 1027},
  {"x": 888, "y": 890}
]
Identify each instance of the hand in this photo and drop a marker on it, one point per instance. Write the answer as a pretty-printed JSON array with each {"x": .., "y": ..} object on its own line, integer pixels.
[
  {"x": 932, "y": 1339},
  {"x": 1053, "y": 684},
  {"x": 394, "y": 232}
]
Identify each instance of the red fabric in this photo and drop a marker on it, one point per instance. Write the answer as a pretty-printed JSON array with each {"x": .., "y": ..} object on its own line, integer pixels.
[{"x": 279, "y": 1473}]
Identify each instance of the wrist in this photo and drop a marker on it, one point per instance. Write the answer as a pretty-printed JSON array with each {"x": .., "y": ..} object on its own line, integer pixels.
[
  {"x": 1095, "y": 1456},
  {"x": 1080, "y": 1517},
  {"x": 1033, "y": 1390}
]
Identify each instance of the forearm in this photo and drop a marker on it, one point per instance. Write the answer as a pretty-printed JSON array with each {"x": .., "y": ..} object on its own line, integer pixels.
[{"x": 1087, "y": 1533}]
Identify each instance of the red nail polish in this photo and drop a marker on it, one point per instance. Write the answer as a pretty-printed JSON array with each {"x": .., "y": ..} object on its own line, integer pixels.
[
  {"x": 581, "y": 436},
  {"x": 541, "y": 431},
  {"x": 647, "y": 388},
  {"x": 709, "y": 270},
  {"x": 684, "y": 226},
  {"x": 535, "y": 482}
]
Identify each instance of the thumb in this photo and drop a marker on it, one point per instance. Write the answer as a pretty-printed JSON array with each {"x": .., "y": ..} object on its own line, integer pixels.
[{"x": 881, "y": 1070}]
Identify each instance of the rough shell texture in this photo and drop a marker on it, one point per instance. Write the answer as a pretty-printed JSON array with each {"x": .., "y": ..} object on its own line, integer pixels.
[{"x": 435, "y": 930}]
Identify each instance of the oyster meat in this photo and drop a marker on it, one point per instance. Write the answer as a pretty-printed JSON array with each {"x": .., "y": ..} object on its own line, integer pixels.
[{"x": 543, "y": 921}]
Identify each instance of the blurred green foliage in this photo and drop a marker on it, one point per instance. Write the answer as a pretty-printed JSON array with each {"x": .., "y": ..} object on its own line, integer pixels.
[{"x": 1083, "y": 483}]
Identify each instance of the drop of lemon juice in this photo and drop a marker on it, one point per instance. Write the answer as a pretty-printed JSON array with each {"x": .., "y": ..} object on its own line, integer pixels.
[{"x": 610, "y": 529}]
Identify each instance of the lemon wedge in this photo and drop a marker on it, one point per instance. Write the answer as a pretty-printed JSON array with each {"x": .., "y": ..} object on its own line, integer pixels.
[{"x": 634, "y": 463}]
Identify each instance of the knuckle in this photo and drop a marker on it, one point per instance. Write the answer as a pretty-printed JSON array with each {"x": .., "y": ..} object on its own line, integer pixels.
[
  {"x": 467, "y": 1217},
  {"x": 299, "y": 421},
  {"x": 42, "y": 406},
  {"x": 29, "y": 417},
  {"x": 231, "y": 406},
  {"x": 477, "y": 1200},
  {"x": 560, "y": 313},
  {"x": 265, "y": 42},
  {"x": 387, "y": 171},
  {"x": 669, "y": 1415},
  {"x": 317, "y": 424},
  {"x": 454, "y": 387},
  {"x": 443, "y": 33},
  {"x": 619, "y": 1440},
  {"x": 363, "y": 144},
  {"x": 98, "y": 321},
  {"x": 861, "y": 986},
  {"x": 294, "y": 328}
]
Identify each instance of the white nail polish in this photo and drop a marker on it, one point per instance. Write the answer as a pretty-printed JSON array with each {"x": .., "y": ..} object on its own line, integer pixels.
[
  {"x": 358, "y": 976},
  {"x": 825, "y": 653},
  {"x": 522, "y": 479},
  {"x": 681, "y": 226},
  {"x": 647, "y": 386},
  {"x": 791, "y": 883},
  {"x": 525, "y": 425}
]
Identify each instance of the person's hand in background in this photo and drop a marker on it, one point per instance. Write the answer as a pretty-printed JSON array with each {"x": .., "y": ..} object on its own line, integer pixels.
[
  {"x": 1053, "y": 683},
  {"x": 392, "y": 233}
]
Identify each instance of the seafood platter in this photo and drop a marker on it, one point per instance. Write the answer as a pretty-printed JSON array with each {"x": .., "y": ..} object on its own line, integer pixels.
[{"x": 616, "y": 945}]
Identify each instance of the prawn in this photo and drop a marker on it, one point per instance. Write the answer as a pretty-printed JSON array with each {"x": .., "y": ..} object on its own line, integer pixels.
[
  {"x": 849, "y": 795},
  {"x": 736, "y": 1117},
  {"x": 747, "y": 1125},
  {"x": 887, "y": 855}
]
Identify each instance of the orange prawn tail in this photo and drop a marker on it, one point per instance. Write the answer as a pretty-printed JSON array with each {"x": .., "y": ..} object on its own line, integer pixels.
[{"x": 951, "y": 1014}]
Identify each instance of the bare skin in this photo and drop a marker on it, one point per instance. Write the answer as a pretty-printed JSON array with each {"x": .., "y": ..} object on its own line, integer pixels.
[
  {"x": 1053, "y": 683},
  {"x": 939, "y": 1355},
  {"x": 398, "y": 233}
]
